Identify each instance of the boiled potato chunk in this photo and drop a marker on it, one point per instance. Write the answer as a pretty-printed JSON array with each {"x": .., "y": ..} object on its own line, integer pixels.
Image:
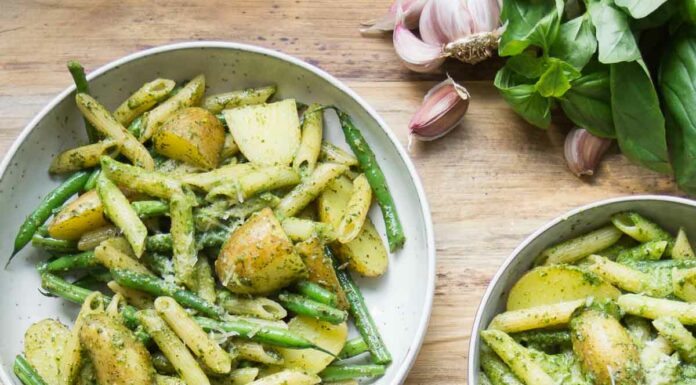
[
  {"x": 328, "y": 336},
  {"x": 118, "y": 358},
  {"x": 83, "y": 214},
  {"x": 320, "y": 268},
  {"x": 259, "y": 258},
  {"x": 605, "y": 349},
  {"x": 44, "y": 345},
  {"x": 193, "y": 135},
  {"x": 547, "y": 285},
  {"x": 266, "y": 134},
  {"x": 366, "y": 253}
]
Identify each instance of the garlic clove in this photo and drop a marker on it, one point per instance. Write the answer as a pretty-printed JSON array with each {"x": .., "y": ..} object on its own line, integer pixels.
[
  {"x": 443, "y": 108},
  {"x": 412, "y": 10},
  {"x": 443, "y": 21},
  {"x": 416, "y": 54},
  {"x": 584, "y": 151},
  {"x": 485, "y": 15}
]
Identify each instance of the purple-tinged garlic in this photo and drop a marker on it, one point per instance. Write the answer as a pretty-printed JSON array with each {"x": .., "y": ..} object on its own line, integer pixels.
[
  {"x": 443, "y": 108},
  {"x": 584, "y": 151},
  {"x": 444, "y": 21},
  {"x": 416, "y": 54},
  {"x": 412, "y": 10}
]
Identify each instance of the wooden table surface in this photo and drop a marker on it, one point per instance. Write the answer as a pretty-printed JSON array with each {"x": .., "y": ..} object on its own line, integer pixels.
[{"x": 490, "y": 183}]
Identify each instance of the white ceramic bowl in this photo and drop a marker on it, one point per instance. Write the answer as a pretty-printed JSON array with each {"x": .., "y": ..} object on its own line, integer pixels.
[
  {"x": 400, "y": 301},
  {"x": 669, "y": 212}
]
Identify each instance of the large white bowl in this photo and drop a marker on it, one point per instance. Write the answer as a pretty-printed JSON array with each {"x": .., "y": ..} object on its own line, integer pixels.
[
  {"x": 400, "y": 301},
  {"x": 669, "y": 212}
]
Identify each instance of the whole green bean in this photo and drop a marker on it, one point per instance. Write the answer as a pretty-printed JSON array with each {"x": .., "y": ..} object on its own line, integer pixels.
[
  {"x": 259, "y": 333},
  {"x": 158, "y": 287},
  {"x": 316, "y": 292},
  {"x": 375, "y": 176},
  {"x": 92, "y": 180},
  {"x": 150, "y": 208},
  {"x": 310, "y": 308},
  {"x": 358, "y": 310},
  {"x": 54, "y": 199},
  {"x": 71, "y": 262},
  {"x": 25, "y": 372},
  {"x": 353, "y": 347},
  {"x": 336, "y": 373},
  {"x": 82, "y": 86},
  {"x": 52, "y": 244}
]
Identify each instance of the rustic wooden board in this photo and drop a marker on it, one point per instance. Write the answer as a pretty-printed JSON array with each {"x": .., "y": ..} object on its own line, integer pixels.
[{"x": 491, "y": 182}]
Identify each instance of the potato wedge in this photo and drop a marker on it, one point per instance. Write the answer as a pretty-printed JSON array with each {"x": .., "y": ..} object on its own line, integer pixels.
[
  {"x": 266, "y": 133},
  {"x": 44, "y": 346},
  {"x": 366, "y": 253},
  {"x": 328, "y": 336},
  {"x": 548, "y": 285},
  {"x": 192, "y": 135},
  {"x": 258, "y": 257},
  {"x": 83, "y": 214},
  {"x": 320, "y": 268}
]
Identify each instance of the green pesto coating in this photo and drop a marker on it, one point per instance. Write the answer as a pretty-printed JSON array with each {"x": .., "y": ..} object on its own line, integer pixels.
[{"x": 310, "y": 308}]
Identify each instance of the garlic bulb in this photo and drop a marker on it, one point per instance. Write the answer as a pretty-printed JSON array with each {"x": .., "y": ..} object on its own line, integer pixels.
[
  {"x": 412, "y": 10},
  {"x": 443, "y": 21},
  {"x": 443, "y": 108},
  {"x": 584, "y": 151},
  {"x": 416, "y": 54}
]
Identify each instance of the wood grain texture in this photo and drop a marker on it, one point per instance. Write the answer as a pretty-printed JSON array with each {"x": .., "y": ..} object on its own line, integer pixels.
[{"x": 491, "y": 182}]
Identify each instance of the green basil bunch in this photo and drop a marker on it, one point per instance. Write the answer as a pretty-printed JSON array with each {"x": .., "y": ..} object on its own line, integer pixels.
[{"x": 593, "y": 59}]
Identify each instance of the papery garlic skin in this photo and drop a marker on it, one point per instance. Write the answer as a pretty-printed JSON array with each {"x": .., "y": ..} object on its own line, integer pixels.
[
  {"x": 443, "y": 108},
  {"x": 584, "y": 151},
  {"x": 412, "y": 11},
  {"x": 443, "y": 21},
  {"x": 474, "y": 48},
  {"x": 416, "y": 54},
  {"x": 485, "y": 15}
]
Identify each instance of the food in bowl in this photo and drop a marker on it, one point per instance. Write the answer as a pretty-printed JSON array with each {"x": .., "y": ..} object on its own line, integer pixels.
[
  {"x": 201, "y": 244},
  {"x": 613, "y": 306}
]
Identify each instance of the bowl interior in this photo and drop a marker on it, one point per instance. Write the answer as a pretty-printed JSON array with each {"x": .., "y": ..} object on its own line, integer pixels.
[
  {"x": 400, "y": 311},
  {"x": 671, "y": 213}
]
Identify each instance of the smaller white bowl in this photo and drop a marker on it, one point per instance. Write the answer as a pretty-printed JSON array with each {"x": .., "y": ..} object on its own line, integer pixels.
[{"x": 669, "y": 212}]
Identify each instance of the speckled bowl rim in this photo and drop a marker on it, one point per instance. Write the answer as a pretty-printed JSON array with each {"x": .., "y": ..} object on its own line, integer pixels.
[
  {"x": 413, "y": 350},
  {"x": 474, "y": 341}
]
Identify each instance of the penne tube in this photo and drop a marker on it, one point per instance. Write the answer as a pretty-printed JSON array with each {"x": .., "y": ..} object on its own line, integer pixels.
[
  {"x": 299, "y": 230},
  {"x": 71, "y": 361},
  {"x": 538, "y": 317},
  {"x": 678, "y": 336},
  {"x": 92, "y": 239},
  {"x": 168, "y": 380},
  {"x": 188, "y": 96},
  {"x": 309, "y": 189},
  {"x": 143, "y": 99},
  {"x": 118, "y": 209},
  {"x": 205, "y": 282},
  {"x": 577, "y": 248},
  {"x": 83, "y": 157},
  {"x": 330, "y": 153},
  {"x": 356, "y": 210},
  {"x": 173, "y": 348},
  {"x": 147, "y": 182},
  {"x": 288, "y": 377},
  {"x": 517, "y": 358},
  {"x": 242, "y": 376},
  {"x": 134, "y": 297},
  {"x": 103, "y": 121},
  {"x": 684, "y": 284},
  {"x": 212, "y": 355},
  {"x": 682, "y": 248},
  {"x": 622, "y": 276},
  {"x": 641, "y": 229},
  {"x": 260, "y": 307},
  {"x": 310, "y": 143},
  {"x": 654, "y": 308},
  {"x": 207, "y": 180},
  {"x": 254, "y": 182},
  {"x": 250, "y": 96},
  {"x": 254, "y": 351},
  {"x": 229, "y": 148},
  {"x": 183, "y": 239},
  {"x": 112, "y": 258}
]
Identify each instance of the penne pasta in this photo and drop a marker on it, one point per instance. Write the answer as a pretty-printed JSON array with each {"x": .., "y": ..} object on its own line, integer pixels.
[
  {"x": 255, "y": 181},
  {"x": 330, "y": 153},
  {"x": 575, "y": 249},
  {"x": 112, "y": 258},
  {"x": 310, "y": 143},
  {"x": 538, "y": 317},
  {"x": 288, "y": 377},
  {"x": 309, "y": 189},
  {"x": 253, "y": 351},
  {"x": 205, "y": 282},
  {"x": 91, "y": 239},
  {"x": 517, "y": 358},
  {"x": 682, "y": 248},
  {"x": 188, "y": 96},
  {"x": 135, "y": 297},
  {"x": 622, "y": 276},
  {"x": 356, "y": 210},
  {"x": 259, "y": 307},
  {"x": 143, "y": 99},
  {"x": 83, "y": 157},
  {"x": 641, "y": 229},
  {"x": 147, "y": 182},
  {"x": 121, "y": 213},
  {"x": 250, "y": 96},
  {"x": 299, "y": 229},
  {"x": 183, "y": 239},
  {"x": 678, "y": 336},
  {"x": 653, "y": 308}
]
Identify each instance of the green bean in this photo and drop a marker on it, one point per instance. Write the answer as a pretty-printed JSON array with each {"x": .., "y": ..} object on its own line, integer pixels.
[
  {"x": 55, "y": 245},
  {"x": 358, "y": 310},
  {"x": 25, "y": 372},
  {"x": 317, "y": 293},
  {"x": 82, "y": 86},
  {"x": 158, "y": 287},
  {"x": 43, "y": 230},
  {"x": 258, "y": 332},
  {"x": 162, "y": 243},
  {"x": 543, "y": 339},
  {"x": 136, "y": 126},
  {"x": 307, "y": 307},
  {"x": 54, "y": 199},
  {"x": 71, "y": 262},
  {"x": 498, "y": 372},
  {"x": 92, "y": 180},
  {"x": 353, "y": 347},
  {"x": 375, "y": 176},
  {"x": 147, "y": 209},
  {"x": 348, "y": 372}
]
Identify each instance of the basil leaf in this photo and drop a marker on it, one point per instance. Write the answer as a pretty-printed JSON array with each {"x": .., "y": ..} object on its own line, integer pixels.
[
  {"x": 638, "y": 120},
  {"x": 576, "y": 42},
  {"x": 656, "y": 19},
  {"x": 529, "y": 22},
  {"x": 639, "y": 9},
  {"x": 588, "y": 104},
  {"x": 527, "y": 65},
  {"x": 614, "y": 36},
  {"x": 524, "y": 99},
  {"x": 556, "y": 80},
  {"x": 677, "y": 74}
]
